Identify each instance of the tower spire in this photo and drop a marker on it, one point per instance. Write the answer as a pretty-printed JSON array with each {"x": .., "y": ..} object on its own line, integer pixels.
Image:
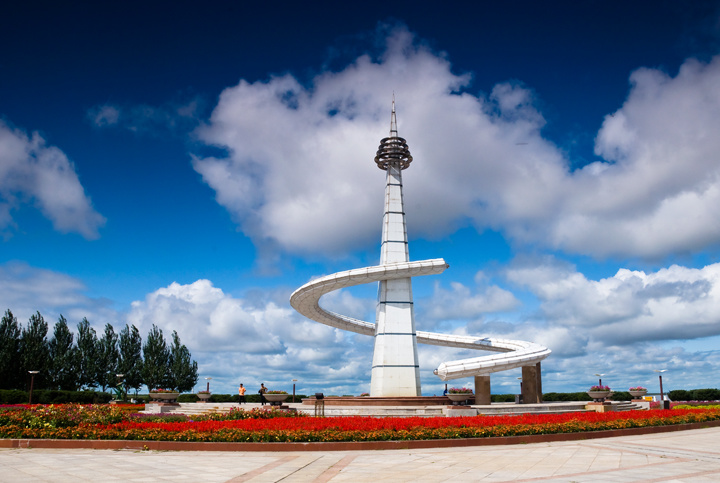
[{"x": 393, "y": 120}]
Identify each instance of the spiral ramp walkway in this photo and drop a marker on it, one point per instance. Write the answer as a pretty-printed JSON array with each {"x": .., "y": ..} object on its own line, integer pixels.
[{"x": 512, "y": 353}]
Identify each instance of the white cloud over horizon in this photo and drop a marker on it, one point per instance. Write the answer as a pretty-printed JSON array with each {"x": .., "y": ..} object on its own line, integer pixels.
[
  {"x": 300, "y": 174},
  {"x": 674, "y": 303},
  {"x": 254, "y": 339},
  {"x": 31, "y": 172}
]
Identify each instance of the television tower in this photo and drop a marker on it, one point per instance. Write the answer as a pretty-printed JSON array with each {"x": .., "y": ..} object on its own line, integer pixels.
[{"x": 395, "y": 368}]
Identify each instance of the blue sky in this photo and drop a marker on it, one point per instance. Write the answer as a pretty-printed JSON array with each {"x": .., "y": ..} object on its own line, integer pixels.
[{"x": 190, "y": 165}]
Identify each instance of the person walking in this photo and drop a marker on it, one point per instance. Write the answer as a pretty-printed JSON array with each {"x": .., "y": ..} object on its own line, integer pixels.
[
  {"x": 262, "y": 392},
  {"x": 241, "y": 391}
]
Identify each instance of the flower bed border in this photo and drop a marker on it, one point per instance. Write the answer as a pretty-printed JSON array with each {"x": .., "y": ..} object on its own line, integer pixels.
[{"x": 344, "y": 445}]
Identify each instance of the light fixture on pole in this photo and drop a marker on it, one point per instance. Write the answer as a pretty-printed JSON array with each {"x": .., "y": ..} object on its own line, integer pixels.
[
  {"x": 121, "y": 392},
  {"x": 600, "y": 380},
  {"x": 294, "y": 381},
  {"x": 662, "y": 395},
  {"x": 519, "y": 397},
  {"x": 208, "y": 383},
  {"x": 32, "y": 382}
]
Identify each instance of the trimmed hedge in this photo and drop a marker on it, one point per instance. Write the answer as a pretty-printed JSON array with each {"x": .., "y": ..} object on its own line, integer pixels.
[
  {"x": 232, "y": 398},
  {"x": 48, "y": 396},
  {"x": 694, "y": 395},
  {"x": 566, "y": 396}
]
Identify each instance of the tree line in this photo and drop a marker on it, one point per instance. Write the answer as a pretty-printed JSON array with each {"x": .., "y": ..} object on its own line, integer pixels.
[{"x": 87, "y": 361}]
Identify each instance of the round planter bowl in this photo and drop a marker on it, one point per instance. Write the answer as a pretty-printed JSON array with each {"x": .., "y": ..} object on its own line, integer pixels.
[
  {"x": 164, "y": 396},
  {"x": 598, "y": 394},
  {"x": 276, "y": 398},
  {"x": 204, "y": 397},
  {"x": 638, "y": 393},
  {"x": 459, "y": 397}
]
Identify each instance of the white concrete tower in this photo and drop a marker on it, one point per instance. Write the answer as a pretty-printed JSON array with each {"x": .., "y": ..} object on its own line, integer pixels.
[{"x": 395, "y": 369}]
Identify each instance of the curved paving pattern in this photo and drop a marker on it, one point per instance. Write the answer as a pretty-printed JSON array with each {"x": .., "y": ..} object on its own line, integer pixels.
[{"x": 513, "y": 353}]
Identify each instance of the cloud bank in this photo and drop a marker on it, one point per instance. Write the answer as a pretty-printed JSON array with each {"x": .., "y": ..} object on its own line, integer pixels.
[
  {"x": 253, "y": 339},
  {"x": 675, "y": 303},
  {"x": 33, "y": 172},
  {"x": 591, "y": 325},
  {"x": 299, "y": 170}
]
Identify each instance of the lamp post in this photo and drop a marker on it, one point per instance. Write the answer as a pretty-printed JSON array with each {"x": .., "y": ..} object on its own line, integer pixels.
[
  {"x": 600, "y": 380},
  {"x": 294, "y": 381},
  {"x": 662, "y": 396},
  {"x": 519, "y": 399},
  {"x": 121, "y": 391},
  {"x": 32, "y": 382},
  {"x": 208, "y": 383}
]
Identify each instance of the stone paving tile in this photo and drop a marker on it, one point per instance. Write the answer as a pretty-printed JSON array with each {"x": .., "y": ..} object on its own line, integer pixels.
[{"x": 688, "y": 456}]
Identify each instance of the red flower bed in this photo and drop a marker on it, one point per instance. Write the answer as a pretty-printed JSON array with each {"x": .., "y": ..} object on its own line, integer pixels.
[{"x": 257, "y": 427}]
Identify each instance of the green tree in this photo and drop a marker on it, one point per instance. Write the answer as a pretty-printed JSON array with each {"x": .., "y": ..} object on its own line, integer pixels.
[
  {"x": 108, "y": 355},
  {"x": 87, "y": 345},
  {"x": 156, "y": 360},
  {"x": 62, "y": 370},
  {"x": 183, "y": 371},
  {"x": 10, "y": 375},
  {"x": 34, "y": 352},
  {"x": 131, "y": 362}
]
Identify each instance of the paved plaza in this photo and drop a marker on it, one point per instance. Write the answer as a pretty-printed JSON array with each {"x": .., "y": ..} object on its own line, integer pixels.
[{"x": 682, "y": 456}]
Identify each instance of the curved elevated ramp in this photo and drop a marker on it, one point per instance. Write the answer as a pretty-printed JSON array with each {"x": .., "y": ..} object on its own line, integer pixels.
[{"x": 513, "y": 353}]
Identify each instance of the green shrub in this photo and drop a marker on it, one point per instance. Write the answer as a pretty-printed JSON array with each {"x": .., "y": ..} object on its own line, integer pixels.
[
  {"x": 705, "y": 394},
  {"x": 622, "y": 396},
  {"x": 566, "y": 396},
  {"x": 13, "y": 396},
  {"x": 52, "y": 396},
  {"x": 680, "y": 395}
]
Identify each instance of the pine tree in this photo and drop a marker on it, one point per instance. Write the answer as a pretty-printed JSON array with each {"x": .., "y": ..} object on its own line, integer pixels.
[
  {"x": 156, "y": 359},
  {"x": 87, "y": 345},
  {"x": 131, "y": 362},
  {"x": 108, "y": 355},
  {"x": 183, "y": 371},
  {"x": 34, "y": 353},
  {"x": 62, "y": 371},
  {"x": 10, "y": 375}
]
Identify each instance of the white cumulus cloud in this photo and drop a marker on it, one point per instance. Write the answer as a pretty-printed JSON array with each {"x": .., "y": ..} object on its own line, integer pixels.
[
  {"x": 254, "y": 340},
  {"x": 299, "y": 168},
  {"x": 33, "y": 172},
  {"x": 675, "y": 303}
]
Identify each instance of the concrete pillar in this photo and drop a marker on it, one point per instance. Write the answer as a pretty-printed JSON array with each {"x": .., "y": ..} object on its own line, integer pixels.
[
  {"x": 531, "y": 384},
  {"x": 482, "y": 390}
]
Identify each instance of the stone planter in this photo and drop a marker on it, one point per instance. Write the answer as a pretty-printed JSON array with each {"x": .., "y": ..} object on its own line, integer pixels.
[
  {"x": 276, "y": 399},
  {"x": 638, "y": 394},
  {"x": 164, "y": 396},
  {"x": 598, "y": 395},
  {"x": 459, "y": 397},
  {"x": 204, "y": 396}
]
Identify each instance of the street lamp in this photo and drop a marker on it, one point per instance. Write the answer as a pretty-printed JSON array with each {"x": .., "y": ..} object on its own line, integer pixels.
[
  {"x": 32, "y": 382},
  {"x": 519, "y": 398},
  {"x": 662, "y": 396},
  {"x": 208, "y": 383},
  {"x": 294, "y": 381},
  {"x": 121, "y": 392},
  {"x": 600, "y": 380}
]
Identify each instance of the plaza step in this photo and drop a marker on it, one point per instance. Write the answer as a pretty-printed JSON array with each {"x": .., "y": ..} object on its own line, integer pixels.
[
  {"x": 626, "y": 406},
  {"x": 496, "y": 409}
]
